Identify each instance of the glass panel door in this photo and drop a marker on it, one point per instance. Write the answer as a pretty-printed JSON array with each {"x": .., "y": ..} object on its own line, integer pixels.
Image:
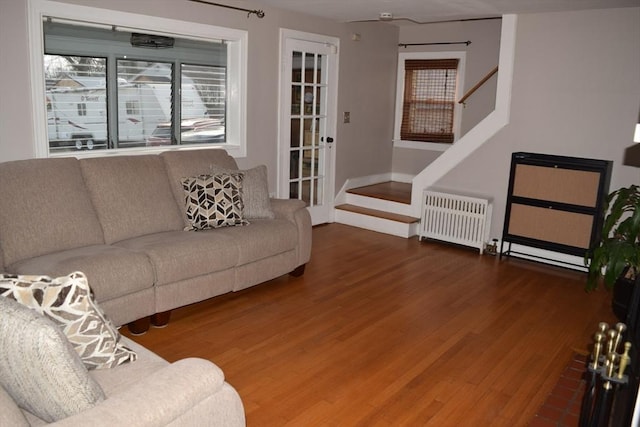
[{"x": 309, "y": 119}]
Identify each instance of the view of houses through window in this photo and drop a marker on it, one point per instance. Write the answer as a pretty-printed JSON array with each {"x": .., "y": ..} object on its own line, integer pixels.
[{"x": 124, "y": 96}]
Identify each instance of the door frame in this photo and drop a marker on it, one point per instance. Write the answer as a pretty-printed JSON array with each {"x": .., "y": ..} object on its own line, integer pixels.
[{"x": 331, "y": 119}]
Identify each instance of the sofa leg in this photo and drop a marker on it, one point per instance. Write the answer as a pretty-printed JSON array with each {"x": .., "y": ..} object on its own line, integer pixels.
[
  {"x": 140, "y": 326},
  {"x": 160, "y": 320},
  {"x": 298, "y": 271}
]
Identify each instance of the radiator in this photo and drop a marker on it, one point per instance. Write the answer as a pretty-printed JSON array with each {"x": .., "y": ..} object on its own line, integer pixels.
[{"x": 455, "y": 218}]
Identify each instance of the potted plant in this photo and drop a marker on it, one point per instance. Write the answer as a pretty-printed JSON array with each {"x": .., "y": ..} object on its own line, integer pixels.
[{"x": 615, "y": 257}]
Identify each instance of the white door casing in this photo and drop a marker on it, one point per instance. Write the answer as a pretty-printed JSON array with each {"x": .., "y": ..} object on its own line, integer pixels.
[{"x": 307, "y": 120}]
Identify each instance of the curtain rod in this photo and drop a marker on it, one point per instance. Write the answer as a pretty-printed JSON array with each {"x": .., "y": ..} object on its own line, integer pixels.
[
  {"x": 258, "y": 12},
  {"x": 468, "y": 42}
]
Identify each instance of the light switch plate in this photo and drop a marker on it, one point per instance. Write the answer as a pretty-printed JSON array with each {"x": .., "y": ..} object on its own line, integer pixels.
[{"x": 347, "y": 117}]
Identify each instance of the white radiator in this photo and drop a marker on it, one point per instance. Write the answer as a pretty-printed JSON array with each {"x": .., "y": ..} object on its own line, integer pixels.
[{"x": 454, "y": 218}]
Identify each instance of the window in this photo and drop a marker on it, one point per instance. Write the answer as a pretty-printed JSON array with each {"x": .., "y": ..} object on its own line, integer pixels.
[
  {"x": 429, "y": 99},
  {"x": 428, "y": 88},
  {"x": 133, "y": 107},
  {"x": 112, "y": 87},
  {"x": 144, "y": 90}
]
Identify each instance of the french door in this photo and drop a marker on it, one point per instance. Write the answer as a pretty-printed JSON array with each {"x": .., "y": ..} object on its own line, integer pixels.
[{"x": 308, "y": 93}]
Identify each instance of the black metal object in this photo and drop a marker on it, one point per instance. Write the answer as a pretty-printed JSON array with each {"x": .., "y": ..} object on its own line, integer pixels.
[
  {"x": 519, "y": 159},
  {"x": 625, "y": 399},
  {"x": 588, "y": 399},
  {"x": 607, "y": 381},
  {"x": 612, "y": 380},
  {"x": 590, "y": 392},
  {"x": 468, "y": 42},
  {"x": 258, "y": 12}
]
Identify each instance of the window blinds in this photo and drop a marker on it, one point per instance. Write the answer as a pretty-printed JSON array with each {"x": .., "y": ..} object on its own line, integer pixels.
[{"x": 429, "y": 100}]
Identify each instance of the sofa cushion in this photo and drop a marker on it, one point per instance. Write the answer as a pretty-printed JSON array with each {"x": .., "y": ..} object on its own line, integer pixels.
[
  {"x": 183, "y": 163},
  {"x": 261, "y": 239},
  {"x": 180, "y": 255},
  {"x": 40, "y": 369},
  {"x": 114, "y": 381},
  {"x": 255, "y": 192},
  {"x": 214, "y": 201},
  {"x": 112, "y": 271},
  {"x": 69, "y": 303},
  {"x": 48, "y": 198},
  {"x": 131, "y": 195}
]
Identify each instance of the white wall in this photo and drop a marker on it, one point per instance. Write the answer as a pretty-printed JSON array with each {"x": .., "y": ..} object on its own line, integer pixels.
[
  {"x": 481, "y": 57},
  {"x": 367, "y": 91},
  {"x": 576, "y": 92},
  {"x": 366, "y": 81},
  {"x": 16, "y": 137}
]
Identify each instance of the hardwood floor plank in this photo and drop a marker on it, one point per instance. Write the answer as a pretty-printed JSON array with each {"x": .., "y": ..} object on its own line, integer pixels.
[
  {"x": 391, "y": 190},
  {"x": 388, "y": 331}
]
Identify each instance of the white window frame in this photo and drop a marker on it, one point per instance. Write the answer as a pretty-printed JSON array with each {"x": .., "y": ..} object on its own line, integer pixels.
[
  {"x": 457, "y": 112},
  {"x": 236, "y": 69}
]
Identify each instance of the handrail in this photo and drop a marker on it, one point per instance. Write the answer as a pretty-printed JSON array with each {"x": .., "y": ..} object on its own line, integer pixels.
[{"x": 477, "y": 86}]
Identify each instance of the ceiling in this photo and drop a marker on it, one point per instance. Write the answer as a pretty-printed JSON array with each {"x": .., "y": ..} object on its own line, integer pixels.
[{"x": 423, "y": 11}]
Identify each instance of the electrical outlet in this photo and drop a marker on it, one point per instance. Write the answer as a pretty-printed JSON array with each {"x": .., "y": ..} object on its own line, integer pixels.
[{"x": 347, "y": 117}]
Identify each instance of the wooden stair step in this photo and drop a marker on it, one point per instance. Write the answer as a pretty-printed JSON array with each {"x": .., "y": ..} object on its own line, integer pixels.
[
  {"x": 378, "y": 214},
  {"x": 399, "y": 192}
]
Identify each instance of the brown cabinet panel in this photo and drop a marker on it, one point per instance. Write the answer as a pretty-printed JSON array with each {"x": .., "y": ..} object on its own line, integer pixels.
[
  {"x": 551, "y": 225},
  {"x": 556, "y": 184}
]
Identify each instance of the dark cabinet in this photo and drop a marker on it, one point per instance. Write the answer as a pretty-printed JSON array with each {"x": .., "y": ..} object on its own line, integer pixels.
[{"x": 554, "y": 203}]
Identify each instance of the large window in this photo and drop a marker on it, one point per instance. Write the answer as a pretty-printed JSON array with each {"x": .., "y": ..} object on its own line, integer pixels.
[
  {"x": 110, "y": 86},
  {"x": 428, "y": 89},
  {"x": 140, "y": 101}
]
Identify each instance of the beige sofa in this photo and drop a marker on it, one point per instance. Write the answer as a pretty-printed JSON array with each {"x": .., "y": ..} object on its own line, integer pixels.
[
  {"x": 121, "y": 221},
  {"x": 45, "y": 381}
]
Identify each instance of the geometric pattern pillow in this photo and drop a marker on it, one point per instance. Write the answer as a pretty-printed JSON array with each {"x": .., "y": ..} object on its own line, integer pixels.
[
  {"x": 213, "y": 201},
  {"x": 40, "y": 369},
  {"x": 255, "y": 192},
  {"x": 69, "y": 302}
]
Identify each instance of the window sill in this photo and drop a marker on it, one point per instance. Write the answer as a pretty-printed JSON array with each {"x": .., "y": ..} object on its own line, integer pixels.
[
  {"x": 419, "y": 145},
  {"x": 233, "y": 150}
]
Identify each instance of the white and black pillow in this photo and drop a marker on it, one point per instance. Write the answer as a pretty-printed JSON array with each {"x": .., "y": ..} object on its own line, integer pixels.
[
  {"x": 213, "y": 201},
  {"x": 69, "y": 302}
]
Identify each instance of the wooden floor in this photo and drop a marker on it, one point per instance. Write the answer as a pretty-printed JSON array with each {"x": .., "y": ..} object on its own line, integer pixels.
[{"x": 386, "y": 331}]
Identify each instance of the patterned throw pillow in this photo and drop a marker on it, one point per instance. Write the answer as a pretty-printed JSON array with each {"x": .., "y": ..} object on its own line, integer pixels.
[
  {"x": 255, "y": 192},
  {"x": 214, "y": 201},
  {"x": 68, "y": 300},
  {"x": 40, "y": 369}
]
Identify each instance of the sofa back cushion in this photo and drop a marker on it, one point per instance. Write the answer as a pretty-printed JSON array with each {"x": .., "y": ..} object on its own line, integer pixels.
[
  {"x": 44, "y": 208},
  {"x": 131, "y": 195},
  {"x": 191, "y": 163}
]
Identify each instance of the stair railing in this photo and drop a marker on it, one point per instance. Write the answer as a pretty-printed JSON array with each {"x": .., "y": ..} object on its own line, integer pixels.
[{"x": 478, "y": 85}]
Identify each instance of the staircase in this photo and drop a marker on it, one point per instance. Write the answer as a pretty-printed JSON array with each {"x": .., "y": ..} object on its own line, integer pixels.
[{"x": 382, "y": 207}]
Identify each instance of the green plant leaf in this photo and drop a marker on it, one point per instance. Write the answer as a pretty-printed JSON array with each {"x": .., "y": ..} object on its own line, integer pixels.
[{"x": 619, "y": 245}]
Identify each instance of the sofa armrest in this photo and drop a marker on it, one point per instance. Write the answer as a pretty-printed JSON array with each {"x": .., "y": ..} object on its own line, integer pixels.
[
  {"x": 159, "y": 399},
  {"x": 286, "y": 208},
  {"x": 295, "y": 211}
]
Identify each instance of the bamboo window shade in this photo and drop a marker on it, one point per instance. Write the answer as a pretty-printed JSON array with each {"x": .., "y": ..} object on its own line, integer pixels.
[{"x": 429, "y": 100}]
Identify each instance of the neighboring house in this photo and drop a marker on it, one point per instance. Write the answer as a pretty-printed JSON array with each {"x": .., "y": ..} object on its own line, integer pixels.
[{"x": 79, "y": 81}]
